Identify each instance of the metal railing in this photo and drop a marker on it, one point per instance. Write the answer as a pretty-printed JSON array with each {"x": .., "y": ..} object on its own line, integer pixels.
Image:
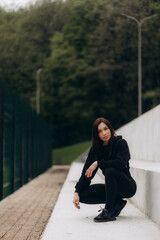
[{"x": 25, "y": 142}]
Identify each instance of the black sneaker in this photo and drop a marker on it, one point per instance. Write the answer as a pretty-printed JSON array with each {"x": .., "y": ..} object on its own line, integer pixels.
[
  {"x": 104, "y": 216},
  {"x": 118, "y": 208}
]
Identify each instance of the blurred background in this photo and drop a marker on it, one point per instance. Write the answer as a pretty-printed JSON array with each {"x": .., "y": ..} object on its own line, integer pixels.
[{"x": 84, "y": 54}]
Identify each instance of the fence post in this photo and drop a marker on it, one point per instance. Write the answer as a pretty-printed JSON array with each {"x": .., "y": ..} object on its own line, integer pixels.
[
  {"x": 21, "y": 141},
  {"x": 13, "y": 144},
  {"x": 1, "y": 135},
  {"x": 33, "y": 142}
]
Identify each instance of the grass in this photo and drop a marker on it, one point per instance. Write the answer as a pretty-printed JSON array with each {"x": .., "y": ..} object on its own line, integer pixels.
[{"x": 67, "y": 155}]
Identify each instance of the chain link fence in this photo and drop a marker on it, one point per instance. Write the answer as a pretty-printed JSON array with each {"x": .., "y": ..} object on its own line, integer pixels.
[{"x": 25, "y": 142}]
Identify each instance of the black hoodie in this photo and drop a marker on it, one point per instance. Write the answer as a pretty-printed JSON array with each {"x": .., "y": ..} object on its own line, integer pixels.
[{"x": 115, "y": 156}]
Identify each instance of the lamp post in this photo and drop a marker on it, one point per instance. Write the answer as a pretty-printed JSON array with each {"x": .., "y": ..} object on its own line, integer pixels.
[
  {"x": 38, "y": 90},
  {"x": 139, "y": 57}
]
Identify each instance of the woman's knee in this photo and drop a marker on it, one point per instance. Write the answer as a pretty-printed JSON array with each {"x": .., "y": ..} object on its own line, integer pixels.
[{"x": 132, "y": 190}]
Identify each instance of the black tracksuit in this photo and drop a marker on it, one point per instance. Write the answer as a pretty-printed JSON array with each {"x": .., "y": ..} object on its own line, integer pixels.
[{"x": 114, "y": 163}]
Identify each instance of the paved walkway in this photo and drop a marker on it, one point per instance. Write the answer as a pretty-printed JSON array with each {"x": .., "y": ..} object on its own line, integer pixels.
[
  {"x": 69, "y": 223},
  {"x": 25, "y": 213}
]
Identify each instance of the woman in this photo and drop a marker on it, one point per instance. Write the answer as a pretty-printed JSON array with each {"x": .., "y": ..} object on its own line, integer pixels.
[{"x": 111, "y": 154}]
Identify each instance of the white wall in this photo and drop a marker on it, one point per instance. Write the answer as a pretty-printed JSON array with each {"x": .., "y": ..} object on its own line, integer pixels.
[
  {"x": 147, "y": 197},
  {"x": 143, "y": 136}
]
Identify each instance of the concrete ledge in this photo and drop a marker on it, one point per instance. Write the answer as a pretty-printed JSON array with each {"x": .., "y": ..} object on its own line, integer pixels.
[
  {"x": 143, "y": 137},
  {"x": 67, "y": 222},
  {"x": 147, "y": 198},
  {"x": 146, "y": 165}
]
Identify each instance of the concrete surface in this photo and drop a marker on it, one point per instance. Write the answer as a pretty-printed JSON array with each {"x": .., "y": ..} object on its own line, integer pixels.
[
  {"x": 147, "y": 198},
  {"x": 143, "y": 137},
  {"x": 69, "y": 223}
]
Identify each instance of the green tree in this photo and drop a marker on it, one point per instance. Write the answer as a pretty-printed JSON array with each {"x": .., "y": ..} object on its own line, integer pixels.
[
  {"x": 88, "y": 53},
  {"x": 92, "y": 70},
  {"x": 25, "y": 44}
]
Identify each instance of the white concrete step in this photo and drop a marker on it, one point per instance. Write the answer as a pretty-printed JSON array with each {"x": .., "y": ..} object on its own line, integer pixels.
[
  {"x": 147, "y": 198},
  {"x": 67, "y": 222},
  {"x": 145, "y": 165}
]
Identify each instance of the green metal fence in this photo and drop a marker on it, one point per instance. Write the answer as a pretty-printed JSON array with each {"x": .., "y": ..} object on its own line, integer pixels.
[{"x": 25, "y": 142}]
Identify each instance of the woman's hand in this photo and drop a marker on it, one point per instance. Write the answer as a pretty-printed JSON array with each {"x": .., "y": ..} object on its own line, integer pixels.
[
  {"x": 90, "y": 170},
  {"x": 76, "y": 200}
]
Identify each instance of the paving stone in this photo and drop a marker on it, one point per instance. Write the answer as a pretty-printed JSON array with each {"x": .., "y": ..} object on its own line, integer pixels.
[{"x": 25, "y": 213}]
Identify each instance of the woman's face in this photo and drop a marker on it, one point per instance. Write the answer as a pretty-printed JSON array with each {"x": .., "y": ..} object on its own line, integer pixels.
[{"x": 104, "y": 133}]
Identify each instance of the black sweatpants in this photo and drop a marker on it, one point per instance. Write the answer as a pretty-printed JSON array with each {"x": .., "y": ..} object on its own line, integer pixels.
[{"x": 117, "y": 186}]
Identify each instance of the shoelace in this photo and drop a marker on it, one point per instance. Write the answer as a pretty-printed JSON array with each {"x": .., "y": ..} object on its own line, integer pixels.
[{"x": 101, "y": 209}]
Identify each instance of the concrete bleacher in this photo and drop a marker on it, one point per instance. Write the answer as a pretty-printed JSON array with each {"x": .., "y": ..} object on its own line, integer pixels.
[
  {"x": 143, "y": 137},
  {"x": 140, "y": 218}
]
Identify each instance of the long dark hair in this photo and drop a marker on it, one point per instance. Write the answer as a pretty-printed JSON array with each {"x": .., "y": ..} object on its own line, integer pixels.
[{"x": 96, "y": 141}]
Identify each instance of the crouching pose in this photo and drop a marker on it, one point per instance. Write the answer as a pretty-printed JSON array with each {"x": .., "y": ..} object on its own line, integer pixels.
[{"x": 111, "y": 154}]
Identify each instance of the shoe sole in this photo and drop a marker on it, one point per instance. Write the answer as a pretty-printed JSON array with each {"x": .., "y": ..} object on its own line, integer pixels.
[{"x": 106, "y": 220}]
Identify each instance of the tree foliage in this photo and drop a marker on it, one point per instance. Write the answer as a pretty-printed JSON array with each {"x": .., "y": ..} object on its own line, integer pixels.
[{"x": 88, "y": 53}]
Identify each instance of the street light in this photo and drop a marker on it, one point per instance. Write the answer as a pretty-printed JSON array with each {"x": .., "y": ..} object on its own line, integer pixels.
[
  {"x": 38, "y": 91},
  {"x": 139, "y": 57}
]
